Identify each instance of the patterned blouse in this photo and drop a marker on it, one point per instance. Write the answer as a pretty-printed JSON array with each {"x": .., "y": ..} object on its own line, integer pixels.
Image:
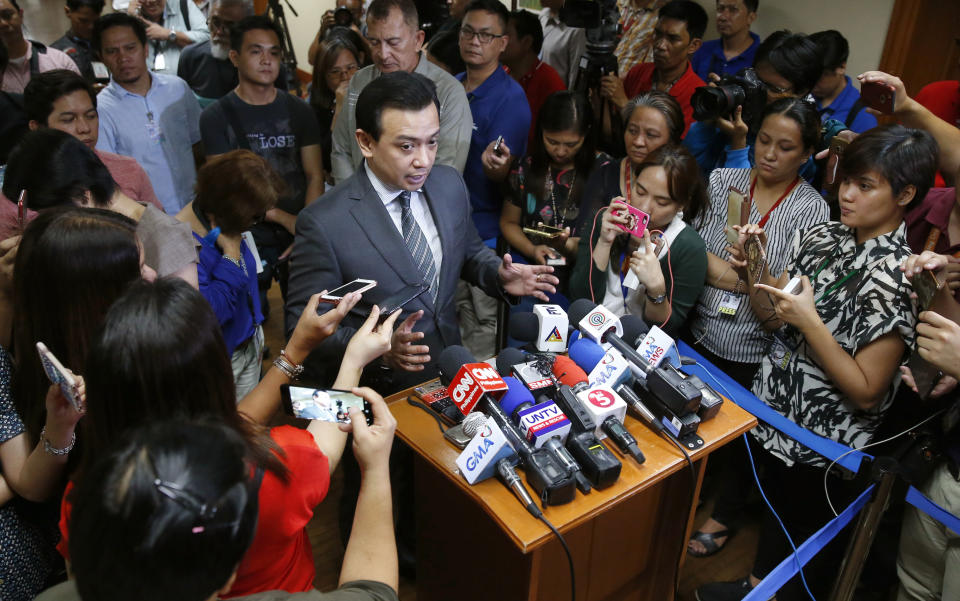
[
  {"x": 636, "y": 45},
  {"x": 872, "y": 302}
]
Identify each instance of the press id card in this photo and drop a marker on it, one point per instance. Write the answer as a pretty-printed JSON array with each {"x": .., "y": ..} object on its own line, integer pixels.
[{"x": 729, "y": 303}]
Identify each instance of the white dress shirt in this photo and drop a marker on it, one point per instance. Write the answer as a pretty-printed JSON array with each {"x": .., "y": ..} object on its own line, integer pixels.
[{"x": 421, "y": 213}]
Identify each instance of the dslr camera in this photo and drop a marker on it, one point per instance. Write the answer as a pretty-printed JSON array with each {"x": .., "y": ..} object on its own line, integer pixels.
[{"x": 743, "y": 89}]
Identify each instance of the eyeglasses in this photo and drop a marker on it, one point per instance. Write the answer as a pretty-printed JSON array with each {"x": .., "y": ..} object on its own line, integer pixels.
[
  {"x": 485, "y": 37},
  {"x": 338, "y": 71},
  {"x": 775, "y": 89},
  {"x": 221, "y": 24}
]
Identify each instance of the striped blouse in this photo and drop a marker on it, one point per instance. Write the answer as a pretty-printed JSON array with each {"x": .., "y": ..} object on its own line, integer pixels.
[{"x": 740, "y": 337}]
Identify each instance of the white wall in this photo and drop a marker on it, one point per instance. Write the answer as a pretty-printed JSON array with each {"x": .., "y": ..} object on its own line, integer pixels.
[{"x": 863, "y": 22}]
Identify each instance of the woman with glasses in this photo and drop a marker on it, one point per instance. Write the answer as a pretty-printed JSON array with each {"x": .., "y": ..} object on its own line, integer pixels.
[
  {"x": 336, "y": 61},
  {"x": 234, "y": 192},
  {"x": 787, "y": 65}
]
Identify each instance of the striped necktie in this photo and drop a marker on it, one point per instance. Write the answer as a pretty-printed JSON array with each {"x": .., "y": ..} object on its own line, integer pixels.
[{"x": 416, "y": 242}]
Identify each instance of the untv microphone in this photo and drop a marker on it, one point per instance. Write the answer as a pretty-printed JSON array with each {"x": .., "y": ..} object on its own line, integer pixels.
[
  {"x": 539, "y": 421},
  {"x": 595, "y": 321}
]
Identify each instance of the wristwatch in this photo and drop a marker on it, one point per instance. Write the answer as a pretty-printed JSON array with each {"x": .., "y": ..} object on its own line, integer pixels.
[
  {"x": 172, "y": 38},
  {"x": 657, "y": 300}
]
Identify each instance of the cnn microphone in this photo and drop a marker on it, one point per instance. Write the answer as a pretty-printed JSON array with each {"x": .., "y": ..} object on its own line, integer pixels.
[{"x": 458, "y": 370}]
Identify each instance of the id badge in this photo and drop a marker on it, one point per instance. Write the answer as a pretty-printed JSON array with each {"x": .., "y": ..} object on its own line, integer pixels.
[
  {"x": 248, "y": 238},
  {"x": 781, "y": 351},
  {"x": 153, "y": 132},
  {"x": 729, "y": 303},
  {"x": 159, "y": 64}
]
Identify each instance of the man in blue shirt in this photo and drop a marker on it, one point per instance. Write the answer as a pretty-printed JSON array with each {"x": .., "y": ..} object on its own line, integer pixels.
[
  {"x": 737, "y": 45},
  {"x": 152, "y": 117},
  {"x": 500, "y": 108},
  {"x": 836, "y": 97}
]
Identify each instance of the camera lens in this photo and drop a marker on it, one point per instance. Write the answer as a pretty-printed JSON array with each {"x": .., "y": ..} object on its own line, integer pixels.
[{"x": 712, "y": 102}]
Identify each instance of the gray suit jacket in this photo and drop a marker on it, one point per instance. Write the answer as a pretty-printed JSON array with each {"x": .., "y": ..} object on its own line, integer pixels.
[{"x": 347, "y": 233}]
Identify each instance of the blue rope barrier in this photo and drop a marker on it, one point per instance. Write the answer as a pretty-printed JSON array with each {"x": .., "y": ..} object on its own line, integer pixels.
[{"x": 921, "y": 502}]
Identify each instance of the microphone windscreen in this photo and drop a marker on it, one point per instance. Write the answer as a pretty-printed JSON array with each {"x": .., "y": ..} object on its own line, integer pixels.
[
  {"x": 509, "y": 357},
  {"x": 524, "y": 326},
  {"x": 634, "y": 329},
  {"x": 579, "y": 309},
  {"x": 568, "y": 372},
  {"x": 473, "y": 422},
  {"x": 586, "y": 353},
  {"x": 516, "y": 395},
  {"x": 451, "y": 359}
]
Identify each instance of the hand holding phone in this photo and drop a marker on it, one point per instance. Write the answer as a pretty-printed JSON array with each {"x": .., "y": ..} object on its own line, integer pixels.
[
  {"x": 878, "y": 96},
  {"x": 70, "y": 384},
  {"x": 399, "y": 299},
  {"x": 637, "y": 220},
  {"x": 926, "y": 285},
  {"x": 497, "y": 147}
]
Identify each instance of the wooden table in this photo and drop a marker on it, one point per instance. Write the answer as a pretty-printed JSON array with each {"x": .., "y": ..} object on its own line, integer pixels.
[{"x": 477, "y": 542}]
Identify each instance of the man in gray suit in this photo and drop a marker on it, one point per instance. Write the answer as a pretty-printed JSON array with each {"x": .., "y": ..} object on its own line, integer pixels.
[{"x": 400, "y": 221}]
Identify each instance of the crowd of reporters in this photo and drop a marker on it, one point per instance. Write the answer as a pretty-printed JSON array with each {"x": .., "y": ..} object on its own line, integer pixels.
[{"x": 158, "y": 179}]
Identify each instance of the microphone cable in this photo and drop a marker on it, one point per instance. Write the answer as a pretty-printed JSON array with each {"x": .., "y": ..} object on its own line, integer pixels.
[{"x": 566, "y": 549}]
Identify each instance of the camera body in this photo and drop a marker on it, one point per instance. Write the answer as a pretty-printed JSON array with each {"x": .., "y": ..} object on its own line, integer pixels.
[{"x": 743, "y": 89}]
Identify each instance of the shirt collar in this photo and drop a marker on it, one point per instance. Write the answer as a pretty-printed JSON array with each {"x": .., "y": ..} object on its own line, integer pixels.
[
  {"x": 120, "y": 92},
  {"x": 387, "y": 193},
  {"x": 938, "y": 214},
  {"x": 874, "y": 248},
  {"x": 491, "y": 85}
]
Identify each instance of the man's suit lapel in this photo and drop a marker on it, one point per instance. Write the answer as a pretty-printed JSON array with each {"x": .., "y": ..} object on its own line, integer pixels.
[{"x": 373, "y": 218}]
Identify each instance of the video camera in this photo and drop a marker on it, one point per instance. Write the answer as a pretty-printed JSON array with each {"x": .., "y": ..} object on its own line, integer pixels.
[
  {"x": 601, "y": 20},
  {"x": 743, "y": 89}
]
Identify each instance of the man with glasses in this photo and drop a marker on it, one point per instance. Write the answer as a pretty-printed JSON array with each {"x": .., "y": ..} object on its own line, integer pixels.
[
  {"x": 171, "y": 26},
  {"x": 26, "y": 57},
  {"x": 500, "y": 108},
  {"x": 395, "y": 44},
  {"x": 206, "y": 66}
]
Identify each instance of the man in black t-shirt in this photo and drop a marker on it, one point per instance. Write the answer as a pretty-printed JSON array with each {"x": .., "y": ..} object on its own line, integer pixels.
[
  {"x": 76, "y": 42},
  {"x": 275, "y": 125},
  {"x": 206, "y": 66}
]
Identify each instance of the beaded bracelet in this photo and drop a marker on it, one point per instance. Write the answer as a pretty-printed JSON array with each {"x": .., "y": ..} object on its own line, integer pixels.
[
  {"x": 289, "y": 369},
  {"x": 52, "y": 450}
]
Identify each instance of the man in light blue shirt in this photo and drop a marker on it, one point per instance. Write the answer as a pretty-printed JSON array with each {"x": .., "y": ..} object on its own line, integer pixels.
[
  {"x": 152, "y": 117},
  {"x": 171, "y": 26}
]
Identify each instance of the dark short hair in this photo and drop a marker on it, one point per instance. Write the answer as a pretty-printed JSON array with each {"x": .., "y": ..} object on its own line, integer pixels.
[
  {"x": 494, "y": 7},
  {"x": 794, "y": 56},
  {"x": 752, "y": 5},
  {"x": 96, "y": 5},
  {"x": 236, "y": 187},
  {"x": 690, "y": 13},
  {"x": 904, "y": 157},
  {"x": 400, "y": 90},
  {"x": 15, "y": 5},
  {"x": 49, "y": 86},
  {"x": 834, "y": 48},
  {"x": 322, "y": 97},
  {"x": 379, "y": 10},
  {"x": 803, "y": 113},
  {"x": 528, "y": 24},
  {"x": 56, "y": 169},
  {"x": 252, "y": 23},
  {"x": 174, "y": 504},
  {"x": 110, "y": 20}
]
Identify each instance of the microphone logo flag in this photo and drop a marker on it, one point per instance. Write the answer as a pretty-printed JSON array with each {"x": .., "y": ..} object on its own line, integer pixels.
[
  {"x": 600, "y": 398},
  {"x": 554, "y": 336}
]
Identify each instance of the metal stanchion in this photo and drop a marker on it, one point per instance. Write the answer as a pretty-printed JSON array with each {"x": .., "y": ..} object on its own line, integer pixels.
[{"x": 885, "y": 472}]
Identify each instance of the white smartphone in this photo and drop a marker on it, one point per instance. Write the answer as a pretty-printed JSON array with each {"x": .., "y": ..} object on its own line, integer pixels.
[
  {"x": 61, "y": 376},
  {"x": 358, "y": 285},
  {"x": 794, "y": 286}
]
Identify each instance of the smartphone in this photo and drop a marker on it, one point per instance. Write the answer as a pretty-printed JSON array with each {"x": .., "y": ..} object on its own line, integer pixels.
[
  {"x": 496, "y": 147},
  {"x": 434, "y": 395},
  {"x": 878, "y": 96},
  {"x": 324, "y": 404},
  {"x": 60, "y": 375},
  {"x": 637, "y": 220},
  {"x": 837, "y": 146},
  {"x": 756, "y": 257},
  {"x": 926, "y": 285},
  {"x": 738, "y": 213},
  {"x": 401, "y": 298},
  {"x": 544, "y": 231},
  {"x": 337, "y": 294},
  {"x": 794, "y": 286},
  {"x": 21, "y": 209}
]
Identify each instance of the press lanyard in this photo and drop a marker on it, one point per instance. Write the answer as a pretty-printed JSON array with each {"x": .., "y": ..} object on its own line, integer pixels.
[
  {"x": 837, "y": 285},
  {"x": 626, "y": 173},
  {"x": 765, "y": 218}
]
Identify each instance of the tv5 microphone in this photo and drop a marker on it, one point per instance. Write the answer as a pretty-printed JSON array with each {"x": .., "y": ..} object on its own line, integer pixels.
[{"x": 546, "y": 476}]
